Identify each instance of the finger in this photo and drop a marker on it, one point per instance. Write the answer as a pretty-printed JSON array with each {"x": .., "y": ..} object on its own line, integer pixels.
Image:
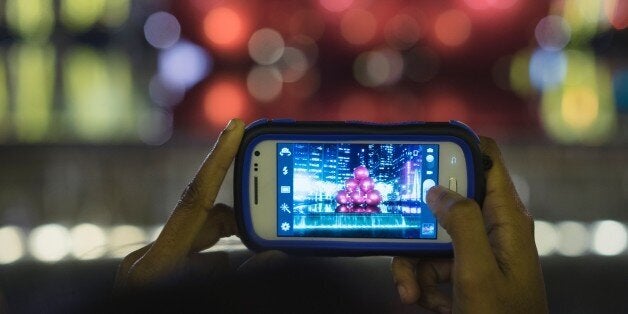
[
  {"x": 509, "y": 225},
  {"x": 126, "y": 264},
  {"x": 429, "y": 274},
  {"x": 220, "y": 223},
  {"x": 403, "y": 272},
  {"x": 500, "y": 191},
  {"x": 189, "y": 216},
  {"x": 462, "y": 219}
]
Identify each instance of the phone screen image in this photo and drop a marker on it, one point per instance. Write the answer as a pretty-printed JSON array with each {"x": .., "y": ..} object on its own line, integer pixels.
[{"x": 356, "y": 190}]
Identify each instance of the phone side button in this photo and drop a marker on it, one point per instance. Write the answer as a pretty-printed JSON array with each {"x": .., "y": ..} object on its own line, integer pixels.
[{"x": 453, "y": 184}]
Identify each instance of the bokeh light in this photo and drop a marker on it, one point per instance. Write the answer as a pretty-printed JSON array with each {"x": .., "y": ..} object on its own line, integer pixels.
[
  {"x": 224, "y": 27},
  {"x": 264, "y": 83},
  {"x": 452, "y": 28},
  {"x": 488, "y": 4},
  {"x": 266, "y": 46},
  {"x": 155, "y": 126},
  {"x": 80, "y": 15},
  {"x": 547, "y": 68},
  {"x": 582, "y": 109},
  {"x": 448, "y": 105},
  {"x": 609, "y": 237},
  {"x": 293, "y": 64},
  {"x": 11, "y": 244},
  {"x": 184, "y": 64},
  {"x": 89, "y": 241},
  {"x": 124, "y": 239},
  {"x": 380, "y": 67},
  {"x": 617, "y": 13},
  {"x": 33, "y": 69},
  {"x": 552, "y": 33},
  {"x": 116, "y": 12},
  {"x": 584, "y": 17},
  {"x": 402, "y": 31},
  {"x": 573, "y": 238},
  {"x": 519, "y": 74},
  {"x": 336, "y": 5},
  {"x": 358, "y": 26},
  {"x": 545, "y": 237},
  {"x": 49, "y": 243},
  {"x": 97, "y": 89},
  {"x": 164, "y": 94},
  {"x": 31, "y": 19},
  {"x": 307, "y": 23},
  {"x": 620, "y": 87},
  {"x": 224, "y": 100},
  {"x": 162, "y": 29}
]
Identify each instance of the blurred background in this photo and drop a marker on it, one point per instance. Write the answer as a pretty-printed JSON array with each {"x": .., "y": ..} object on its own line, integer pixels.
[{"x": 107, "y": 108}]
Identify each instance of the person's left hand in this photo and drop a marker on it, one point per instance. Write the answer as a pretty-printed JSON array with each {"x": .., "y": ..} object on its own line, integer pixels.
[{"x": 195, "y": 224}]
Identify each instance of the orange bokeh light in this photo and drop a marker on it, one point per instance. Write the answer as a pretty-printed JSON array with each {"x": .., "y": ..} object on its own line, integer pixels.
[
  {"x": 224, "y": 27},
  {"x": 223, "y": 101},
  {"x": 452, "y": 28},
  {"x": 358, "y": 26}
]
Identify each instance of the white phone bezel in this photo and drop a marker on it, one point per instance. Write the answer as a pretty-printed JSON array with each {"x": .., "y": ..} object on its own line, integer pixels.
[{"x": 264, "y": 168}]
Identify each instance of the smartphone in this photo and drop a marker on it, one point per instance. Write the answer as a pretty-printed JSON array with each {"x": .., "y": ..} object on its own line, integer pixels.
[{"x": 351, "y": 188}]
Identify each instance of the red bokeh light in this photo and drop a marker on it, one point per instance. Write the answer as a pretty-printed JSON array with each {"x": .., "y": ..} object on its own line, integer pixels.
[
  {"x": 224, "y": 100},
  {"x": 486, "y": 4},
  {"x": 358, "y": 26},
  {"x": 447, "y": 106},
  {"x": 336, "y": 5},
  {"x": 617, "y": 13},
  {"x": 452, "y": 28},
  {"x": 225, "y": 27}
]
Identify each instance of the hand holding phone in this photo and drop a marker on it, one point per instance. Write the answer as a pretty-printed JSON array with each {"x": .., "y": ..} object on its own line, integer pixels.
[{"x": 340, "y": 188}]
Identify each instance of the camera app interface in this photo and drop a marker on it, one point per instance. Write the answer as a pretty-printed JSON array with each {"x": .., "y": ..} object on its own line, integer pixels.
[{"x": 355, "y": 190}]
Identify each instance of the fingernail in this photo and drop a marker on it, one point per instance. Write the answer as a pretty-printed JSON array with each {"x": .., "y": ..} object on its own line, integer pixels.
[
  {"x": 403, "y": 292},
  {"x": 231, "y": 125},
  {"x": 444, "y": 310}
]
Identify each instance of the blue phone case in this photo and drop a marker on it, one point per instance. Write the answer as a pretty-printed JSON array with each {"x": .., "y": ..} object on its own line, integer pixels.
[{"x": 265, "y": 129}]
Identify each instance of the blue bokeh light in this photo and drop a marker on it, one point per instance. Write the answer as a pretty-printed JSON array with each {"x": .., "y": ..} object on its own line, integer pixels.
[
  {"x": 184, "y": 64},
  {"x": 547, "y": 68}
]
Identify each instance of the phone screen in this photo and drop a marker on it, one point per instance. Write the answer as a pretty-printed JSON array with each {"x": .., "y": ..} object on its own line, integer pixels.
[{"x": 355, "y": 190}]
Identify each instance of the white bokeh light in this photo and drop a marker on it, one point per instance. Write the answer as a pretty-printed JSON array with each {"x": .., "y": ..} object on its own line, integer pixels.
[
  {"x": 49, "y": 243},
  {"x": 293, "y": 64},
  {"x": 573, "y": 238},
  {"x": 552, "y": 32},
  {"x": 89, "y": 241},
  {"x": 380, "y": 67},
  {"x": 609, "y": 237},
  {"x": 125, "y": 239},
  {"x": 11, "y": 244},
  {"x": 162, "y": 30},
  {"x": 155, "y": 126},
  {"x": 546, "y": 237},
  {"x": 264, "y": 83},
  {"x": 266, "y": 46}
]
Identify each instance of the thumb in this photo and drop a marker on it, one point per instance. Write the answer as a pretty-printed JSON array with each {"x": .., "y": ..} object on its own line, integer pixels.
[{"x": 462, "y": 219}]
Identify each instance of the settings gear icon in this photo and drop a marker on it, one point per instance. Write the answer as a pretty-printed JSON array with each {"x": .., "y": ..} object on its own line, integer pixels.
[{"x": 285, "y": 226}]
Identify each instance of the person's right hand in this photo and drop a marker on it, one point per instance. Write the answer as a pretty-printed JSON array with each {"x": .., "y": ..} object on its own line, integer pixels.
[{"x": 496, "y": 265}]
